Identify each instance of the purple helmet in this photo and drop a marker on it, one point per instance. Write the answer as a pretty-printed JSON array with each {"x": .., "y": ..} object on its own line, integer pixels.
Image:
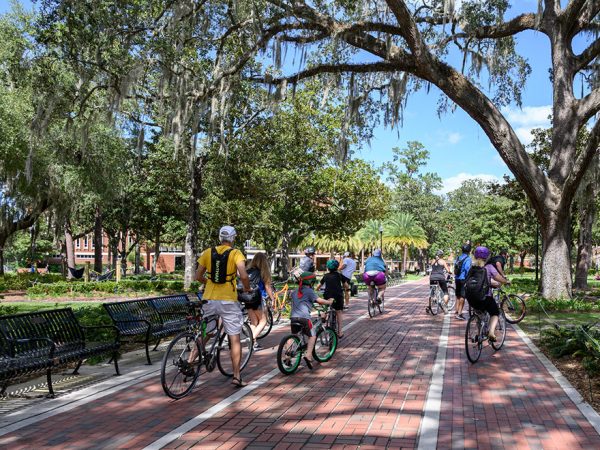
[{"x": 482, "y": 253}]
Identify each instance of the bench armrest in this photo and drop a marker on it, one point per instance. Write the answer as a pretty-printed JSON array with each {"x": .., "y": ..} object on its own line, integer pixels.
[{"x": 33, "y": 339}]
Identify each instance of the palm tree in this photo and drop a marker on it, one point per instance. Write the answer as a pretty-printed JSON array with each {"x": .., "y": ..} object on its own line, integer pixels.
[
  {"x": 402, "y": 231},
  {"x": 369, "y": 234}
]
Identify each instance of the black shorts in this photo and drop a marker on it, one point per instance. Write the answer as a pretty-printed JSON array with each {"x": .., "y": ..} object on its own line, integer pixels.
[
  {"x": 488, "y": 305},
  {"x": 300, "y": 324},
  {"x": 460, "y": 288},
  {"x": 443, "y": 285},
  {"x": 345, "y": 279},
  {"x": 338, "y": 302}
]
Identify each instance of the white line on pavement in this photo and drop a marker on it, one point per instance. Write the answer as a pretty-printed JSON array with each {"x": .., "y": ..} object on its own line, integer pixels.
[
  {"x": 428, "y": 431},
  {"x": 193, "y": 423},
  {"x": 590, "y": 414}
]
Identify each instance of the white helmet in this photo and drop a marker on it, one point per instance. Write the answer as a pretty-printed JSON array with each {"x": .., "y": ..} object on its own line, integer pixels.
[{"x": 227, "y": 233}]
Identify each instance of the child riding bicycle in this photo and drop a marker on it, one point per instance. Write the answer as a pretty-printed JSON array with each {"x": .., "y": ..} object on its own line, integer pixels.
[{"x": 303, "y": 300}]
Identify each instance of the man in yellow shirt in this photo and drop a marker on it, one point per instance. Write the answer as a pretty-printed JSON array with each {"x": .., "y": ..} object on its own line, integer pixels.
[{"x": 221, "y": 292}]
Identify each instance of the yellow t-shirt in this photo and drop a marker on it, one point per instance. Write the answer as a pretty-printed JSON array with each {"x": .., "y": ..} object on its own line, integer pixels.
[{"x": 226, "y": 291}]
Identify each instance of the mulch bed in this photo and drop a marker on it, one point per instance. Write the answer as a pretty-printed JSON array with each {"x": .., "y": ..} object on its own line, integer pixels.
[{"x": 571, "y": 368}]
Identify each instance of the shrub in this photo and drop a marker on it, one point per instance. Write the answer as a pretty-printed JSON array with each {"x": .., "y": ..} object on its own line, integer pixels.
[
  {"x": 22, "y": 281},
  {"x": 581, "y": 342},
  {"x": 70, "y": 288}
]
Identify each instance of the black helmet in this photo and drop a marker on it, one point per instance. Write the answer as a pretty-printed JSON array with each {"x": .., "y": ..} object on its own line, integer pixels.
[
  {"x": 466, "y": 248},
  {"x": 310, "y": 250}
]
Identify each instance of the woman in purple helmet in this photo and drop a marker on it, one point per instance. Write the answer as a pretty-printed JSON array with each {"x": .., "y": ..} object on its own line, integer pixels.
[{"x": 482, "y": 255}]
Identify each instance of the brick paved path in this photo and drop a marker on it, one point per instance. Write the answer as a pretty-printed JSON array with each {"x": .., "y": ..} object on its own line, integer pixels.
[{"x": 371, "y": 394}]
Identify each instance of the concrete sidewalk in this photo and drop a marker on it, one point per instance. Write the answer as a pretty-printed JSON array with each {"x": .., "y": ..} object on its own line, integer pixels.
[{"x": 399, "y": 380}]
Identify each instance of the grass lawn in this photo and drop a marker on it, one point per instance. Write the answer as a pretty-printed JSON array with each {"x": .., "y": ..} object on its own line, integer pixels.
[{"x": 533, "y": 322}]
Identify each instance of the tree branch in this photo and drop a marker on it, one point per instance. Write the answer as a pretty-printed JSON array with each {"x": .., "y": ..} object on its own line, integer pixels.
[
  {"x": 587, "y": 56},
  {"x": 410, "y": 31},
  {"x": 382, "y": 66},
  {"x": 582, "y": 163},
  {"x": 583, "y": 15},
  {"x": 505, "y": 29},
  {"x": 589, "y": 105}
]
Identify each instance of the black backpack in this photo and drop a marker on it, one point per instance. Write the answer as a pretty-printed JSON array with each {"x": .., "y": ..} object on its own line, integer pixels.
[
  {"x": 477, "y": 285},
  {"x": 458, "y": 265},
  {"x": 218, "y": 267}
]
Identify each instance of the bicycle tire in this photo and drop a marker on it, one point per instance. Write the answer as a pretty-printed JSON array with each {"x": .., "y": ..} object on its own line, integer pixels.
[
  {"x": 325, "y": 345},
  {"x": 176, "y": 384},
  {"x": 371, "y": 304},
  {"x": 473, "y": 343},
  {"x": 224, "y": 351},
  {"x": 434, "y": 306},
  {"x": 500, "y": 332},
  {"x": 381, "y": 306},
  {"x": 267, "y": 329},
  {"x": 514, "y": 307},
  {"x": 290, "y": 346},
  {"x": 451, "y": 298}
]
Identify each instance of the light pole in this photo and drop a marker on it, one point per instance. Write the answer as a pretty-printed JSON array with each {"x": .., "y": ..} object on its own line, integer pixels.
[{"x": 381, "y": 237}]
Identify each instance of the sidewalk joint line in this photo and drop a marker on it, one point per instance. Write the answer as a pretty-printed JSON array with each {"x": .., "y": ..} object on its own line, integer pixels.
[{"x": 430, "y": 424}]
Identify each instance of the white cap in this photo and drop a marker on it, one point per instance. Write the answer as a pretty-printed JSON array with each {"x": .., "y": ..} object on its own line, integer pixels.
[
  {"x": 346, "y": 254},
  {"x": 227, "y": 233}
]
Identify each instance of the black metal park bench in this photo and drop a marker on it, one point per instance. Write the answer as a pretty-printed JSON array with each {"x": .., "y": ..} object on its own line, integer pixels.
[
  {"x": 40, "y": 341},
  {"x": 153, "y": 318}
]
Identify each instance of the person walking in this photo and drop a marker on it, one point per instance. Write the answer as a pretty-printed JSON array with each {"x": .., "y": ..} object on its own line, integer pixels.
[
  {"x": 218, "y": 268},
  {"x": 347, "y": 269},
  {"x": 260, "y": 279},
  {"x": 461, "y": 269}
]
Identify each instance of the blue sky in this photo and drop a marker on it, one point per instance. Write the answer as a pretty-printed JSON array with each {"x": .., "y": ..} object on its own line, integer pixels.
[{"x": 459, "y": 149}]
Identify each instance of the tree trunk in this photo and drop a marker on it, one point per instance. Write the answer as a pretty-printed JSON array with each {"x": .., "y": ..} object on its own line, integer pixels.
[
  {"x": 124, "y": 253},
  {"x": 587, "y": 215},
  {"x": 285, "y": 256},
  {"x": 69, "y": 249},
  {"x": 556, "y": 262},
  {"x": 2, "y": 242},
  {"x": 193, "y": 221},
  {"x": 98, "y": 241},
  {"x": 138, "y": 258},
  {"x": 156, "y": 253},
  {"x": 522, "y": 256},
  {"x": 405, "y": 258}
]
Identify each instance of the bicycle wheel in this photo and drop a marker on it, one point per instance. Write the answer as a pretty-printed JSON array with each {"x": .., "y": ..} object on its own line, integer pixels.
[
  {"x": 178, "y": 376},
  {"x": 500, "y": 332},
  {"x": 434, "y": 305},
  {"x": 514, "y": 307},
  {"x": 224, "y": 351},
  {"x": 267, "y": 329},
  {"x": 371, "y": 304},
  {"x": 381, "y": 306},
  {"x": 451, "y": 298},
  {"x": 289, "y": 354},
  {"x": 325, "y": 345},
  {"x": 473, "y": 343}
]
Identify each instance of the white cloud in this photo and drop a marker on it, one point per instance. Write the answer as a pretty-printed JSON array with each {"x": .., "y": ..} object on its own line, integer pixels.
[
  {"x": 454, "y": 138},
  {"x": 526, "y": 119},
  {"x": 452, "y": 183}
]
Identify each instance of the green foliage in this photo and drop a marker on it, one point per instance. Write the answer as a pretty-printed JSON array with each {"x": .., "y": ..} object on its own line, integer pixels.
[
  {"x": 582, "y": 341},
  {"x": 22, "y": 281},
  {"x": 81, "y": 288}
]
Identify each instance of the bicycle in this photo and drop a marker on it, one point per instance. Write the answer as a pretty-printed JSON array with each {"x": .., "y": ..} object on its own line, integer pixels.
[
  {"x": 203, "y": 343},
  {"x": 375, "y": 304},
  {"x": 281, "y": 304},
  {"x": 477, "y": 332},
  {"x": 513, "y": 305},
  {"x": 436, "y": 299},
  {"x": 293, "y": 346}
]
